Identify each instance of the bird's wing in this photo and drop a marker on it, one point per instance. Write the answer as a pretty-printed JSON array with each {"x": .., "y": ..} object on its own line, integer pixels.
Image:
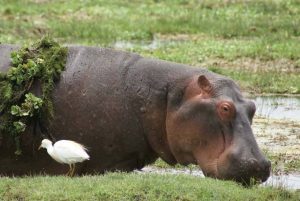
[
  {"x": 70, "y": 151},
  {"x": 73, "y": 144},
  {"x": 76, "y": 144}
]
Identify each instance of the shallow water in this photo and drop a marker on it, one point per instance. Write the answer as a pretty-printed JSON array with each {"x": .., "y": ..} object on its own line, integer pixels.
[
  {"x": 278, "y": 107},
  {"x": 155, "y": 44},
  {"x": 289, "y": 181}
]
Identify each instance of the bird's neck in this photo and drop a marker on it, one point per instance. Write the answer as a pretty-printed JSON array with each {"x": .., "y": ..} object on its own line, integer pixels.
[{"x": 50, "y": 150}]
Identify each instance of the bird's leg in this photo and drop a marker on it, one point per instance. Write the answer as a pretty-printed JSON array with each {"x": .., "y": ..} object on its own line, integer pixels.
[
  {"x": 73, "y": 170},
  {"x": 70, "y": 168}
]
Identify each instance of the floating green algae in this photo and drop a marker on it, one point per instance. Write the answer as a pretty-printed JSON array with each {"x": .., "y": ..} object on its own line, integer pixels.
[{"x": 42, "y": 62}]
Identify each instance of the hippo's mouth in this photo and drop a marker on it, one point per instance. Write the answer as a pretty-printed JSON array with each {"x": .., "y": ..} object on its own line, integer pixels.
[
  {"x": 221, "y": 155},
  {"x": 224, "y": 142},
  {"x": 211, "y": 166},
  {"x": 222, "y": 152}
]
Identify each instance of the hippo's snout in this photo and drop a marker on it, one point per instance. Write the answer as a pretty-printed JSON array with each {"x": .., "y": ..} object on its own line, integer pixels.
[
  {"x": 246, "y": 168},
  {"x": 261, "y": 169}
]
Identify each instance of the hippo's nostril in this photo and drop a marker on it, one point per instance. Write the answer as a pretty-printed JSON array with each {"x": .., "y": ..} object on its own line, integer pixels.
[
  {"x": 264, "y": 165},
  {"x": 254, "y": 164}
]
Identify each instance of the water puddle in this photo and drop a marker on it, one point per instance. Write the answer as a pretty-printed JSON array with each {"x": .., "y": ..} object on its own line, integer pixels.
[
  {"x": 278, "y": 107},
  {"x": 152, "y": 45},
  {"x": 289, "y": 181},
  {"x": 129, "y": 45}
]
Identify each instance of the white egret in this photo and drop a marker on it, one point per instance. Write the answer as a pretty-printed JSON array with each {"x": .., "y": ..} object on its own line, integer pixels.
[{"x": 66, "y": 151}]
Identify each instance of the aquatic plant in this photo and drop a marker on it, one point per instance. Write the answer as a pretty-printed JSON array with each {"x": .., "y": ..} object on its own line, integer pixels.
[{"x": 40, "y": 63}]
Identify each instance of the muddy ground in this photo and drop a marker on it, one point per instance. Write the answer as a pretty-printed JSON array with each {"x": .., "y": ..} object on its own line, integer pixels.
[{"x": 280, "y": 140}]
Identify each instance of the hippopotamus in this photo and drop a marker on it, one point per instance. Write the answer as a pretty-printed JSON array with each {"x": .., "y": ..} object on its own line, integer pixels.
[{"x": 129, "y": 111}]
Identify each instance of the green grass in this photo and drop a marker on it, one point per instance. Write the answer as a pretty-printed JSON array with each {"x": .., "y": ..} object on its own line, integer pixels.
[
  {"x": 263, "y": 81},
  {"x": 125, "y": 186},
  {"x": 191, "y": 32},
  {"x": 280, "y": 80},
  {"x": 199, "y": 48},
  {"x": 107, "y": 21}
]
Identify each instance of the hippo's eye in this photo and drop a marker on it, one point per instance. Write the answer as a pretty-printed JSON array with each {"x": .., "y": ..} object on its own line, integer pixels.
[{"x": 226, "y": 110}]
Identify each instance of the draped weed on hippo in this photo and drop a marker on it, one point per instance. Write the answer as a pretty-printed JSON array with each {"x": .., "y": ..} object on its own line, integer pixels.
[{"x": 129, "y": 111}]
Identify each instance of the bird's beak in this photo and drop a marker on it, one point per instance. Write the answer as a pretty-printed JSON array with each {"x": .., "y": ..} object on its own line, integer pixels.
[{"x": 40, "y": 147}]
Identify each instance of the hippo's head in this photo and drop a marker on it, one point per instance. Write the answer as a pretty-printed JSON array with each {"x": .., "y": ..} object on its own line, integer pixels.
[{"x": 209, "y": 123}]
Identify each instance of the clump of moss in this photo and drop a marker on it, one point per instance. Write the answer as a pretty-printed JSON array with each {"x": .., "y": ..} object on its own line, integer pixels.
[{"x": 43, "y": 61}]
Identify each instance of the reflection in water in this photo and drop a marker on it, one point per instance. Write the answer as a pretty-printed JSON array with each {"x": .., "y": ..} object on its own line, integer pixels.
[
  {"x": 155, "y": 44},
  {"x": 276, "y": 107}
]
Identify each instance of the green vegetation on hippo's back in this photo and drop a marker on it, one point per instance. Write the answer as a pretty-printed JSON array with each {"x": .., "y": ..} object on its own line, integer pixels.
[
  {"x": 43, "y": 62},
  {"x": 134, "y": 186}
]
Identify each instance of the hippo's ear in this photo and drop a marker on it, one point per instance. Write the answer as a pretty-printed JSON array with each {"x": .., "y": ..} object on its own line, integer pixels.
[{"x": 204, "y": 83}]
